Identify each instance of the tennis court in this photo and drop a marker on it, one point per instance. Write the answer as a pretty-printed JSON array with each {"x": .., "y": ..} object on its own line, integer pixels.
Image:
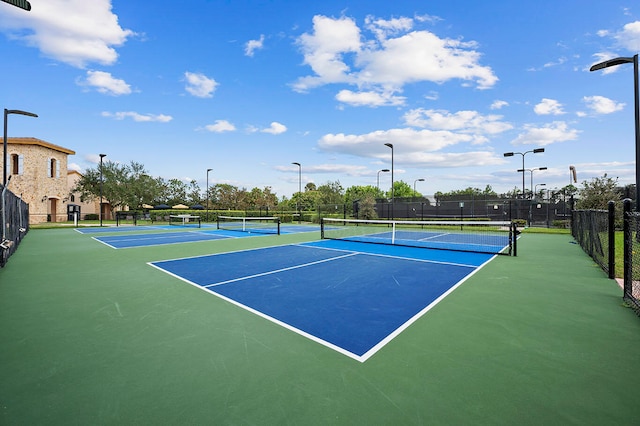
[
  {"x": 93, "y": 335},
  {"x": 351, "y": 297}
]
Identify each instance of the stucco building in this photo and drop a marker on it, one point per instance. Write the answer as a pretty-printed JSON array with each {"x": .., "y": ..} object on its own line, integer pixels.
[{"x": 38, "y": 174}]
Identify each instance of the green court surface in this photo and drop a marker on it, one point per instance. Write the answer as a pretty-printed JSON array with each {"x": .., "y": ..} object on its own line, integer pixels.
[{"x": 90, "y": 335}]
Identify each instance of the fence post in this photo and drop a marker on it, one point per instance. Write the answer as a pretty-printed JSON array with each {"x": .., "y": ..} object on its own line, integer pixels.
[
  {"x": 612, "y": 239},
  {"x": 628, "y": 267}
]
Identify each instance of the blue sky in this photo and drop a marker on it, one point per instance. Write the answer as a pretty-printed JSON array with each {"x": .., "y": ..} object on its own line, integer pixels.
[{"x": 245, "y": 88}]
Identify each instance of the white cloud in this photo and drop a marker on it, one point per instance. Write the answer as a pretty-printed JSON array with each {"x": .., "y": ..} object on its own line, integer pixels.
[
  {"x": 138, "y": 117},
  {"x": 76, "y": 32},
  {"x": 220, "y": 126},
  {"x": 602, "y": 105},
  {"x": 105, "y": 83},
  {"x": 498, "y": 104},
  {"x": 337, "y": 53},
  {"x": 406, "y": 142},
  {"x": 417, "y": 148},
  {"x": 548, "y": 107},
  {"x": 383, "y": 28},
  {"x": 199, "y": 85},
  {"x": 275, "y": 128},
  {"x": 470, "y": 122},
  {"x": 324, "y": 49},
  {"x": 252, "y": 45},
  {"x": 629, "y": 36},
  {"x": 558, "y": 131},
  {"x": 74, "y": 166},
  {"x": 370, "y": 99}
]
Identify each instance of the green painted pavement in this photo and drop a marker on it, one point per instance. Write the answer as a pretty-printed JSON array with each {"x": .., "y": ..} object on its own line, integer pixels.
[{"x": 92, "y": 335}]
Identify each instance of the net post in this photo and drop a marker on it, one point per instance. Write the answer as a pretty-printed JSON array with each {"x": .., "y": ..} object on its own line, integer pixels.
[
  {"x": 218, "y": 222},
  {"x": 514, "y": 238},
  {"x": 322, "y": 228},
  {"x": 278, "y": 223},
  {"x": 393, "y": 232}
]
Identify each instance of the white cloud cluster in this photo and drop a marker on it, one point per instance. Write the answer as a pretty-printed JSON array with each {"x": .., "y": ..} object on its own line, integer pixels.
[
  {"x": 337, "y": 52},
  {"x": 220, "y": 126},
  {"x": 275, "y": 128},
  {"x": 105, "y": 83},
  {"x": 471, "y": 122},
  {"x": 76, "y": 32},
  {"x": 602, "y": 105},
  {"x": 557, "y": 131},
  {"x": 138, "y": 117},
  {"x": 629, "y": 36},
  {"x": 252, "y": 45},
  {"x": 199, "y": 85},
  {"x": 548, "y": 107}
]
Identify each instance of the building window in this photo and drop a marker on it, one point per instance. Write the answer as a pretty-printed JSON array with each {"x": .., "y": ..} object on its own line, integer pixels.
[
  {"x": 52, "y": 168},
  {"x": 16, "y": 164}
]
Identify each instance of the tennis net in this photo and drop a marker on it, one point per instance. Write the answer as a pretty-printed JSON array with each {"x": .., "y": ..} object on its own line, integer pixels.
[
  {"x": 473, "y": 236},
  {"x": 262, "y": 225},
  {"x": 185, "y": 220}
]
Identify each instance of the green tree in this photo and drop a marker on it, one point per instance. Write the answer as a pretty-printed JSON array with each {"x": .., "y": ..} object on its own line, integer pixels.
[
  {"x": 367, "y": 207},
  {"x": 176, "y": 192},
  {"x": 119, "y": 186},
  {"x": 193, "y": 193},
  {"x": 224, "y": 196},
  {"x": 330, "y": 193},
  {"x": 401, "y": 189},
  {"x": 597, "y": 193}
]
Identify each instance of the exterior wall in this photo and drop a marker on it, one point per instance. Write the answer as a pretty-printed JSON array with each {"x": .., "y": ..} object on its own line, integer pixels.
[
  {"x": 86, "y": 207},
  {"x": 47, "y": 196}
]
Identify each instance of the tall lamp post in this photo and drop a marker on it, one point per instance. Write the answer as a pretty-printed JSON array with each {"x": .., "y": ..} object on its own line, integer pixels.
[
  {"x": 6, "y": 113},
  {"x": 511, "y": 154},
  {"x": 207, "y": 194},
  {"x": 532, "y": 170},
  {"x": 390, "y": 145},
  {"x": 378, "y": 181},
  {"x": 414, "y": 185},
  {"x": 636, "y": 95},
  {"x": 537, "y": 185},
  {"x": 101, "y": 157},
  {"x": 299, "y": 189}
]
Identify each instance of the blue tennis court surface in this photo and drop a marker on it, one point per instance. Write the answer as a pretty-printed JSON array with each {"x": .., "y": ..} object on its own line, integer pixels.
[
  {"x": 351, "y": 297},
  {"x": 145, "y": 240}
]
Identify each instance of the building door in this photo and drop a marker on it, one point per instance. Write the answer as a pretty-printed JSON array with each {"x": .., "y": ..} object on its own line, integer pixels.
[{"x": 53, "y": 205}]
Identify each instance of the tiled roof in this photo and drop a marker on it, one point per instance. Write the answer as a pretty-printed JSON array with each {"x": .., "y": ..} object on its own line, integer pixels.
[{"x": 35, "y": 141}]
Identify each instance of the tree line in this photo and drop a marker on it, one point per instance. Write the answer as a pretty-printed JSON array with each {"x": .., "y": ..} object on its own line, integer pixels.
[{"x": 130, "y": 185}]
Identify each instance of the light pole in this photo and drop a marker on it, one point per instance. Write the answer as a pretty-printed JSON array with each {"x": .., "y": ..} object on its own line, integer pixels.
[
  {"x": 531, "y": 170},
  {"x": 6, "y": 113},
  {"x": 511, "y": 154},
  {"x": 101, "y": 157},
  {"x": 207, "y": 194},
  {"x": 299, "y": 189},
  {"x": 636, "y": 95},
  {"x": 537, "y": 185},
  {"x": 414, "y": 185},
  {"x": 378, "y": 181},
  {"x": 390, "y": 145}
]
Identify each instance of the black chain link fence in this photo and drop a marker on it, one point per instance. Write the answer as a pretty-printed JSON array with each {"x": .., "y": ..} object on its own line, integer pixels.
[
  {"x": 15, "y": 223},
  {"x": 631, "y": 256},
  {"x": 593, "y": 230}
]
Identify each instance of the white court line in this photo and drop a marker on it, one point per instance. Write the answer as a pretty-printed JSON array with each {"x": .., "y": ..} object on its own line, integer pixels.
[{"x": 304, "y": 265}]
